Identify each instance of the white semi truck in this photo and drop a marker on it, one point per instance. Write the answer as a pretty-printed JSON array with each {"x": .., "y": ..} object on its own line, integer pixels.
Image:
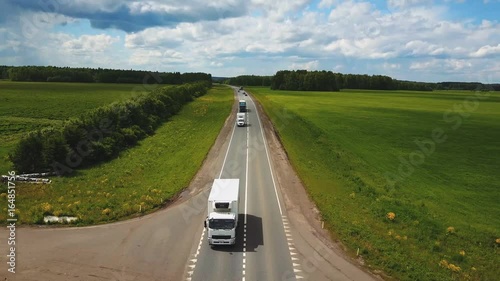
[
  {"x": 222, "y": 217},
  {"x": 240, "y": 119}
]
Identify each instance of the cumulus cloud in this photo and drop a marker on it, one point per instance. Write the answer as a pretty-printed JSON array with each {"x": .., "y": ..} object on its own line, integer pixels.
[
  {"x": 391, "y": 66},
  {"x": 399, "y": 4},
  {"x": 485, "y": 51},
  {"x": 133, "y": 16},
  {"x": 447, "y": 65},
  {"x": 89, "y": 43},
  {"x": 327, "y": 3},
  {"x": 310, "y": 65}
]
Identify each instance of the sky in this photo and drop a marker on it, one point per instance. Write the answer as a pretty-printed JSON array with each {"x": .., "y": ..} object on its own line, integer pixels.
[{"x": 417, "y": 40}]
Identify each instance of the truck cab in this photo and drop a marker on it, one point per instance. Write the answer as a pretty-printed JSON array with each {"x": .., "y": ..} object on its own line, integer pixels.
[
  {"x": 221, "y": 228},
  {"x": 240, "y": 119}
]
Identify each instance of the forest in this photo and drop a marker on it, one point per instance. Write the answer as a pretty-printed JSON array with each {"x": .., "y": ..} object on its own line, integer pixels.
[
  {"x": 303, "y": 80},
  {"x": 98, "y": 75}
]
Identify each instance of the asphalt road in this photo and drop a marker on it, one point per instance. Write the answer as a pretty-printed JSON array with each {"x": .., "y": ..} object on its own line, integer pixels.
[
  {"x": 171, "y": 244},
  {"x": 261, "y": 251}
]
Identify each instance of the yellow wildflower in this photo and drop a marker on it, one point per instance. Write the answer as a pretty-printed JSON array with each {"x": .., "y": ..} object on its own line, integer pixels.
[
  {"x": 450, "y": 229},
  {"x": 462, "y": 253},
  {"x": 106, "y": 211},
  {"x": 443, "y": 263},
  {"x": 391, "y": 216},
  {"x": 46, "y": 207},
  {"x": 454, "y": 268}
]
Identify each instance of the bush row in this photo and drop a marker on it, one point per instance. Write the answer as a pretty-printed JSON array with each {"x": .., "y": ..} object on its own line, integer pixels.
[{"x": 102, "y": 133}]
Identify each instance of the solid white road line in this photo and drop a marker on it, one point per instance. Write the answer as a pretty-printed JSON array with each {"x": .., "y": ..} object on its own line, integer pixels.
[{"x": 267, "y": 154}]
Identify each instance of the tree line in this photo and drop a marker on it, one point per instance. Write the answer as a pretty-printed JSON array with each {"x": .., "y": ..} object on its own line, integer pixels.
[
  {"x": 250, "y": 80},
  {"x": 100, "y": 134},
  {"x": 303, "y": 80},
  {"x": 100, "y": 75}
]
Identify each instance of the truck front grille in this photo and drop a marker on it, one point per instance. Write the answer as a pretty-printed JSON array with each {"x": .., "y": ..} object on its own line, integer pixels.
[{"x": 221, "y": 236}]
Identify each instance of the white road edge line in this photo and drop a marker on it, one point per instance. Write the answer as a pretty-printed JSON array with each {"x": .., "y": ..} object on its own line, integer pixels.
[{"x": 267, "y": 154}]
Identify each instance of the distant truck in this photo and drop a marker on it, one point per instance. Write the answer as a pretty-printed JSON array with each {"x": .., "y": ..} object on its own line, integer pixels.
[
  {"x": 240, "y": 119},
  {"x": 222, "y": 218},
  {"x": 241, "y": 89},
  {"x": 243, "y": 106}
]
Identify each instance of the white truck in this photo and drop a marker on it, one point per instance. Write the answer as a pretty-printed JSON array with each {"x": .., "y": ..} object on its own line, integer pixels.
[
  {"x": 240, "y": 119},
  {"x": 222, "y": 217}
]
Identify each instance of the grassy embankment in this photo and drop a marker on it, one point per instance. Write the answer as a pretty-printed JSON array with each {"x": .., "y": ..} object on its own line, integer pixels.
[
  {"x": 432, "y": 159},
  {"x": 142, "y": 178}
]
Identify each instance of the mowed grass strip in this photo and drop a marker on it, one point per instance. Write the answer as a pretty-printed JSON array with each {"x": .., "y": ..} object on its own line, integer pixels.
[
  {"x": 365, "y": 154},
  {"x": 142, "y": 178},
  {"x": 28, "y": 106}
]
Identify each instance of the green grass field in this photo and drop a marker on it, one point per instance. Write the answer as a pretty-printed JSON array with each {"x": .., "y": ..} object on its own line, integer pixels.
[
  {"x": 431, "y": 158},
  {"x": 26, "y": 106},
  {"x": 142, "y": 178}
]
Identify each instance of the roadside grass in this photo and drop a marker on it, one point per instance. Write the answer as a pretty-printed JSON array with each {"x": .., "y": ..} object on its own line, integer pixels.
[
  {"x": 28, "y": 106},
  {"x": 142, "y": 178},
  {"x": 349, "y": 146}
]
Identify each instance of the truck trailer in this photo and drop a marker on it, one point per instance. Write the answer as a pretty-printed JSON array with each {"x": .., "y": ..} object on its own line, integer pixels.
[
  {"x": 243, "y": 106},
  {"x": 222, "y": 216}
]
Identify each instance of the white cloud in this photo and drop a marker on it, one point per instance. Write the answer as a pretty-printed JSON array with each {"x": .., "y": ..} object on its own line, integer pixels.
[
  {"x": 486, "y": 51},
  {"x": 447, "y": 65},
  {"x": 310, "y": 65},
  {"x": 391, "y": 66},
  {"x": 399, "y": 4},
  {"x": 327, "y": 3},
  {"x": 278, "y": 9},
  {"x": 89, "y": 43}
]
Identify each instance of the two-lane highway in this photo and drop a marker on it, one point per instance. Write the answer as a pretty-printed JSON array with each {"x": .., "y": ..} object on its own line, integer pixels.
[{"x": 263, "y": 249}]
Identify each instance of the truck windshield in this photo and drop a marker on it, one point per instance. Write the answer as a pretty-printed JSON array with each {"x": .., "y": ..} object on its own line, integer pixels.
[{"x": 221, "y": 223}]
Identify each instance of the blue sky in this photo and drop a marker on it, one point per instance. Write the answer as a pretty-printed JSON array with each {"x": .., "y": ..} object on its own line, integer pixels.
[{"x": 420, "y": 40}]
